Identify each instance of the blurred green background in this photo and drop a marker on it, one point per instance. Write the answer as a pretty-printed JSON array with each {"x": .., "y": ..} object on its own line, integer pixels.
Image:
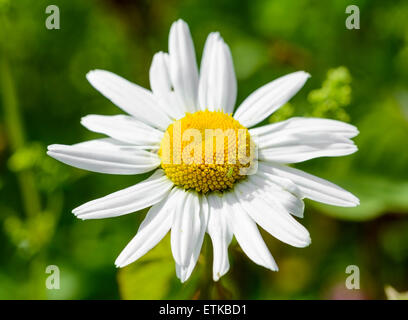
[{"x": 359, "y": 76}]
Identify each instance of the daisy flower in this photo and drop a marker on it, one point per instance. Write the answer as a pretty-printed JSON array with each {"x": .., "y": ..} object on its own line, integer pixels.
[{"x": 193, "y": 195}]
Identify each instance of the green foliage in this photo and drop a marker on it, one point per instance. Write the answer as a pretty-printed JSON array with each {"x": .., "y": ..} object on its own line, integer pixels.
[
  {"x": 249, "y": 56},
  {"x": 285, "y": 112},
  {"x": 378, "y": 195},
  {"x": 49, "y": 174},
  {"x": 153, "y": 277},
  {"x": 394, "y": 241},
  {"x": 32, "y": 234},
  {"x": 150, "y": 277},
  {"x": 43, "y": 94},
  {"x": 335, "y": 94},
  {"x": 378, "y": 173}
]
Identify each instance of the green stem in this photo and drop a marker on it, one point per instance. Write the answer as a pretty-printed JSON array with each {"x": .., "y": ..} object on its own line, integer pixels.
[
  {"x": 206, "y": 281},
  {"x": 15, "y": 132}
]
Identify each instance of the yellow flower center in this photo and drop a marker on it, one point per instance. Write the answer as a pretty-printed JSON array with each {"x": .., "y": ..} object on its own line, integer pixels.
[{"x": 206, "y": 151}]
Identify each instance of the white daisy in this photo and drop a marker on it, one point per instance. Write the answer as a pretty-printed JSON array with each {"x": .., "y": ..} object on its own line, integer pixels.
[{"x": 191, "y": 199}]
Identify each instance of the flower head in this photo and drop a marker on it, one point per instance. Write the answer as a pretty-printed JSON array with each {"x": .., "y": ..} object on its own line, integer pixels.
[{"x": 213, "y": 173}]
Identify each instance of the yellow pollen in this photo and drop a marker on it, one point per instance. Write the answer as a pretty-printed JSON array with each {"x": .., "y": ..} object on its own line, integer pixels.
[{"x": 206, "y": 151}]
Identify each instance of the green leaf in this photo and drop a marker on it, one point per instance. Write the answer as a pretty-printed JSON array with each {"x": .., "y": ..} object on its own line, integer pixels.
[
  {"x": 378, "y": 173},
  {"x": 377, "y": 195},
  {"x": 154, "y": 277},
  {"x": 149, "y": 277}
]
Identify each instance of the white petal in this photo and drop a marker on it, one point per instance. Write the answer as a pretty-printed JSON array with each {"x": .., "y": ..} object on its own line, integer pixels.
[
  {"x": 162, "y": 87},
  {"x": 105, "y": 156},
  {"x": 272, "y": 192},
  {"x": 288, "y": 139},
  {"x": 220, "y": 234},
  {"x": 271, "y": 216},
  {"x": 300, "y": 125},
  {"x": 267, "y": 99},
  {"x": 300, "y": 139},
  {"x": 183, "y": 273},
  {"x": 130, "y": 97},
  {"x": 292, "y": 149},
  {"x": 183, "y": 65},
  {"x": 313, "y": 187},
  {"x": 124, "y": 128},
  {"x": 218, "y": 85},
  {"x": 140, "y": 196},
  {"x": 154, "y": 227},
  {"x": 264, "y": 171},
  {"x": 247, "y": 234},
  {"x": 186, "y": 227}
]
